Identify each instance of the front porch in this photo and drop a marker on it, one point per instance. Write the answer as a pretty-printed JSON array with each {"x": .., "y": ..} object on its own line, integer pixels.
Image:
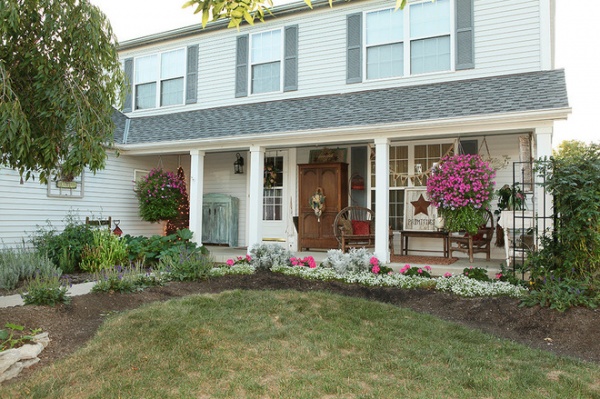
[{"x": 220, "y": 254}]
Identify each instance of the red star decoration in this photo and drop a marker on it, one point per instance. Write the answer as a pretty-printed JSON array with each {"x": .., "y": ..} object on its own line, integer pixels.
[{"x": 421, "y": 205}]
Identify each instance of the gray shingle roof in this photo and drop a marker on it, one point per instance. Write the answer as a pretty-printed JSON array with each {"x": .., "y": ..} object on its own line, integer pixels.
[{"x": 536, "y": 91}]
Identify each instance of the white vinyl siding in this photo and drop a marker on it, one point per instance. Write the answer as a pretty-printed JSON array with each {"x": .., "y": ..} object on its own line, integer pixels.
[
  {"x": 507, "y": 40},
  {"x": 27, "y": 207}
]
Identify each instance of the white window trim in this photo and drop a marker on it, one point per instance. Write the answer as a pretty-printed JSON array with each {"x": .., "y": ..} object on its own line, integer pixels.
[
  {"x": 158, "y": 81},
  {"x": 281, "y": 60},
  {"x": 406, "y": 42}
]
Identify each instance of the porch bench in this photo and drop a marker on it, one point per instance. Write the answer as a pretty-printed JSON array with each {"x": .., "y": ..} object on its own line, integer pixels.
[{"x": 406, "y": 234}]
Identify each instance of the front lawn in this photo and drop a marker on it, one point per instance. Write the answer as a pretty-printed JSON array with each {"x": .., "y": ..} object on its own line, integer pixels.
[{"x": 287, "y": 344}]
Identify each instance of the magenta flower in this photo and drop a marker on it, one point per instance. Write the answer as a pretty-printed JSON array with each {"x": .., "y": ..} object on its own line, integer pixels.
[
  {"x": 375, "y": 269},
  {"x": 230, "y": 262}
]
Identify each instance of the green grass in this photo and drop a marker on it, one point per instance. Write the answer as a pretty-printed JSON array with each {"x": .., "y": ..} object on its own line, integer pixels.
[{"x": 285, "y": 344}]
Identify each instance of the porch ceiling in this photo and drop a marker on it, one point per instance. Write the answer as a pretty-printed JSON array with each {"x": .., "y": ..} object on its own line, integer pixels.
[{"x": 520, "y": 100}]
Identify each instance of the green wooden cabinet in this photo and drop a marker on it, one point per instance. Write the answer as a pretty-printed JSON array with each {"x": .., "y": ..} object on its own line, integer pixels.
[{"x": 220, "y": 215}]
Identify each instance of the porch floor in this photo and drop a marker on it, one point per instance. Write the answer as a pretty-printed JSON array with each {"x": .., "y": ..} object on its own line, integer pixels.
[{"x": 220, "y": 254}]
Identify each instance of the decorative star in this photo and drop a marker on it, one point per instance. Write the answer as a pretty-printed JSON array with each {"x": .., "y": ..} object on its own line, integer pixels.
[{"x": 421, "y": 205}]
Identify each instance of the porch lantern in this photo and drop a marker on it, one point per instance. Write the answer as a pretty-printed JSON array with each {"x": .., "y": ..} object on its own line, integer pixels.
[{"x": 238, "y": 165}]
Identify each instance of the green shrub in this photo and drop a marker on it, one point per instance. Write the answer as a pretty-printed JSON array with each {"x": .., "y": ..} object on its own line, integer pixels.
[
  {"x": 356, "y": 260},
  {"x": 573, "y": 178},
  {"x": 563, "y": 293},
  {"x": 186, "y": 265},
  {"x": 18, "y": 264},
  {"x": 105, "y": 251},
  {"x": 476, "y": 273},
  {"x": 264, "y": 256},
  {"x": 46, "y": 290},
  {"x": 126, "y": 279},
  {"x": 64, "y": 248},
  {"x": 151, "y": 250}
]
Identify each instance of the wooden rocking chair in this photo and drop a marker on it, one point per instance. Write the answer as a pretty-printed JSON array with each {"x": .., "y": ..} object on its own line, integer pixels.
[{"x": 354, "y": 227}]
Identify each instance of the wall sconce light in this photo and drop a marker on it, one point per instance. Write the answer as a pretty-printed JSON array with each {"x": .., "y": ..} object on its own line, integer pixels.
[{"x": 238, "y": 165}]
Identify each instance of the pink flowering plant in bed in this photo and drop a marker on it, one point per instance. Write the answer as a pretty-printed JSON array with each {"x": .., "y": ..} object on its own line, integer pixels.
[
  {"x": 308, "y": 261},
  {"x": 416, "y": 271},
  {"x": 461, "y": 187},
  {"x": 240, "y": 260}
]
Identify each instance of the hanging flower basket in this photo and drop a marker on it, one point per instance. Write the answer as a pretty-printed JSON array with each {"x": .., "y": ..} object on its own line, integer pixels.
[
  {"x": 461, "y": 187},
  {"x": 159, "y": 195},
  {"x": 317, "y": 203}
]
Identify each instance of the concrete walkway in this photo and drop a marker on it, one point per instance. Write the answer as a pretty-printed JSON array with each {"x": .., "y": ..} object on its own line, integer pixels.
[{"x": 16, "y": 300}]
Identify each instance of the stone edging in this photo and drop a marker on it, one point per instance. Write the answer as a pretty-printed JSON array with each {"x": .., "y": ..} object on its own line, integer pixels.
[{"x": 13, "y": 361}]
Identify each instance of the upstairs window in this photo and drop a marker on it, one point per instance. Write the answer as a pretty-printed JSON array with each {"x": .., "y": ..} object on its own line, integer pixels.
[
  {"x": 385, "y": 44},
  {"x": 265, "y": 60},
  {"x": 415, "y": 40},
  {"x": 159, "y": 79},
  {"x": 430, "y": 37}
]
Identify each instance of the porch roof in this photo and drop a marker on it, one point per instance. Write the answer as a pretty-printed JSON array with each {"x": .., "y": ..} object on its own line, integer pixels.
[{"x": 517, "y": 93}]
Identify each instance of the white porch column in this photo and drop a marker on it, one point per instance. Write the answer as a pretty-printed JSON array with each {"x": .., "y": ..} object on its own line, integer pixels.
[
  {"x": 543, "y": 148},
  {"x": 196, "y": 191},
  {"x": 255, "y": 211},
  {"x": 382, "y": 213}
]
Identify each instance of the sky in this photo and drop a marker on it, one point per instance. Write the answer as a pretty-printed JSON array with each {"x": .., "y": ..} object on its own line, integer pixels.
[{"x": 577, "y": 31}]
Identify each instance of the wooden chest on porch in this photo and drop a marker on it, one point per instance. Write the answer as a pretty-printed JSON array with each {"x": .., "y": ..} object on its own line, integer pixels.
[{"x": 332, "y": 180}]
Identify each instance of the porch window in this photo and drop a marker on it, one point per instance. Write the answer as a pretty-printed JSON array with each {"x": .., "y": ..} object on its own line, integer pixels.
[
  {"x": 159, "y": 79},
  {"x": 266, "y": 61},
  {"x": 408, "y": 167},
  {"x": 273, "y": 194}
]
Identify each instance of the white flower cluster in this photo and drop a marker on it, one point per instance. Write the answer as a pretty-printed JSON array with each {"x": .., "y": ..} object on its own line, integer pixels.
[
  {"x": 235, "y": 269},
  {"x": 458, "y": 285},
  {"x": 468, "y": 287},
  {"x": 318, "y": 273}
]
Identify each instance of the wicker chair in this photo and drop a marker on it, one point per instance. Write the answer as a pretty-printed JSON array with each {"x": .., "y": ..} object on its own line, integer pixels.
[
  {"x": 471, "y": 244},
  {"x": 351, "y": 219}
]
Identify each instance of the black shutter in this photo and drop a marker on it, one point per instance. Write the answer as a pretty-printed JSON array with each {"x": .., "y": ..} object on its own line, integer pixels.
[
  {"x": 290, "y": 62},
  {"x": 241, "y": 67},
  {"x": 465, "y": 43},
  {"x": 128, "y": 69},
  {"x": 191, "y": 89},
  {"x": 354, "y": 48}
]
